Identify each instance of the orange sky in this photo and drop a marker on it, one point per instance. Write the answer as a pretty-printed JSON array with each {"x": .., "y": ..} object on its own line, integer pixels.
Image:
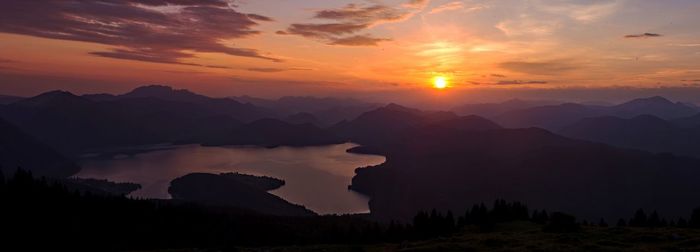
[{"x": 353, "y": 47}]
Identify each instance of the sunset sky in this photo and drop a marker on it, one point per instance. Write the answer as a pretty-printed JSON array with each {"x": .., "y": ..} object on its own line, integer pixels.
[{"x": 272, "y": 48}]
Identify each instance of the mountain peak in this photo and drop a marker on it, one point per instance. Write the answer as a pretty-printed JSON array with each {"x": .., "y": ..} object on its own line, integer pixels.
[
  {"x": 52, "y": 98},
  {"x": 650, "y": 100},
  {"x": 152, "y": 90},
  {"x": 165, "y": 93},
  {"x": 397, "y": 107}
]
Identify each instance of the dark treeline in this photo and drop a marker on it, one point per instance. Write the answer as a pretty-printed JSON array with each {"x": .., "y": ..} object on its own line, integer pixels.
[
  {"x": 54, "y": 216},
  {"x": 434, "y": 223},
  {"x": 654, "y": 220}
]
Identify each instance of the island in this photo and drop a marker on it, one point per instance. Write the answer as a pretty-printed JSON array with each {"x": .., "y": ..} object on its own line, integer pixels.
[{"x": 235, "y": 190}]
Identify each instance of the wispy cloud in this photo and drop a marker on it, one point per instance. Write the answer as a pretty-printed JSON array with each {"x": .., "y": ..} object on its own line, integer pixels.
[
  {"x": 553, "y": 67},
  {"x": 686, "y": 45},
  {"x": 527, "y": 26},
  {"x": 584, "y": 11},
  {"x": 643, "y": 35},
  {"x": 448, "y": 7},
  {"x": 457, "y": 6},
  {"x": 352, "y": 19},
  {"x": 275, "y": 70},
  {"x": 511, "y": 82},
  {"x": 161, "y": 31}
]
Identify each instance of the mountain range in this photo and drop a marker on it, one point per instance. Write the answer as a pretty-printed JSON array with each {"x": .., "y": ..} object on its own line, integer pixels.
[
  {"x": 555, "y": 117},
  {"x": 455, "y": 169},
  {"x": 75, "y": 124}
]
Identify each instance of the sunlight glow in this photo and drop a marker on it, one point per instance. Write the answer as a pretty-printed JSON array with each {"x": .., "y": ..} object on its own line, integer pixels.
[{"x": 440, "y": 82}]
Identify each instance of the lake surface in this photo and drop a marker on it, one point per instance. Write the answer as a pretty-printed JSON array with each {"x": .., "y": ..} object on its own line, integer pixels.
[{"x": 316, "y": 177}]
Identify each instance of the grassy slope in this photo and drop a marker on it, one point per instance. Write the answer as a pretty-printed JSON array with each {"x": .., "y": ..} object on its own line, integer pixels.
[{"x": 522, "y": 236}]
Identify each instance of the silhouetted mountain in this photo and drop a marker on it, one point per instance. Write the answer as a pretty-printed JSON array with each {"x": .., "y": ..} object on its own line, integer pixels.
[
  {"x": 302, "y": 118},
  {"x": 240, "y": 111},
  {"x": 328, "y": 111},
  {"x": 470, "y": 122},
  {"x": 227, "y": 190},
  {"x": 645, "y": 132},
  {"x": 100, "y": 97},
  {"x": 7, "y": 99},
  {"x": 147, "y": 115},
  {"x": 309, "y": 104},
  {"x": 70, "y": 123},
  {"x": 53, "y": 99},
  {"x": 17, "y": 149},
  {"x": 688, "y": 122},
  {"x": 548, "y": 117},
  {"x": 494, "y": 109},
  {"x": 166, "y": 93},
  {"x": 557, "y": 116},
  {"x": 387, "y": 123},
  {"x": 273, "y": 132},
  {"x": 657, "y": 106},
  {"x": 454, "y": 169}
]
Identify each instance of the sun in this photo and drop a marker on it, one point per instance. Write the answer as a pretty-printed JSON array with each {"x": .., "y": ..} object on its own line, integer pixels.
[{"x": 440, "y": 82}]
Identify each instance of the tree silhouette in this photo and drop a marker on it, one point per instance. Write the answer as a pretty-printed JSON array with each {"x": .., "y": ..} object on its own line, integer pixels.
[
  {"x": 639, "y": 219},
  {"x": 695, "y": 219}
]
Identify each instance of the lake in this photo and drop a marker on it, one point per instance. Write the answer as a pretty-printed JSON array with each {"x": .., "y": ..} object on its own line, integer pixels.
[{"x": 316, "y": 177}]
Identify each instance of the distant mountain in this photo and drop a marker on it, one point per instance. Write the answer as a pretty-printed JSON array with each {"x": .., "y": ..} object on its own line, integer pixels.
[
  {"x": 7, "y": 99},
  {"x": 548, "y": 117},
  {"x": 328, "y": 111},
  {"x": 273, "y": 132},
  {"x": 303, "y": 118},
  {"x": 644, "y": 132},
  {"x": 495, "y": 109},
  {"x": 230, "y": 190},
  {"x": 688, "y": 122},
  {"x": 231, "y": 107},
  {"x": 657, "y": 106},
  {"x": 554, "y": 117},
  {"x": 18, "y": 149},
  {"x": 454, "y": 169},
  {"x": 296, "y": 104},
  {"x": 471, "y": 122},
  {"x": 53, "y": 99},
  {"x": 166, "y": 93},
  {"x": 148, "y": 115},
  {"x": 100, "y": 97},
  {"x": 70, "y": 123},
  {"x": 386, "y": 123}
]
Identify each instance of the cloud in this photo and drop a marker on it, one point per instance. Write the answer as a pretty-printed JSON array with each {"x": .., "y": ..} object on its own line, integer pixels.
[
  {"x": 457, "y": 5},
  {"x": 643, "y": 35},
  {"x": 510, "y": 82},
  {"x": 686, "y": 45},
  {"x": 520, "y": 82},
  {"x": 417, "y": 4},
  {"x": 498, "y": 75},
  {"x": 358, "y": 40},
  {"x": 348, "y": 21},
  {"x": 323, "y": 31},
  {"x": 447, "y": 7},
  {"x": 539, "y": 68},
  {"x": 367, "y": 15},
  {"x": 160, "y": 31},
  {"x": 584, "y": 11},
  {"x": 275, "y": 70},
  {"x": 526, "y": 25}
]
